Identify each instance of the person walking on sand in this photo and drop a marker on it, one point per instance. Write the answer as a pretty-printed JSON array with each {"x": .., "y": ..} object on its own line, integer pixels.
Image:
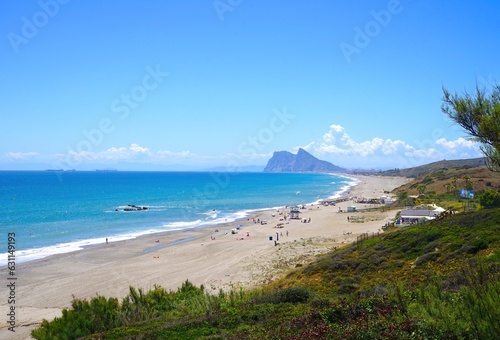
[
  {"x": 106, "y": 240},
  {"x": 287, "y": 233}
]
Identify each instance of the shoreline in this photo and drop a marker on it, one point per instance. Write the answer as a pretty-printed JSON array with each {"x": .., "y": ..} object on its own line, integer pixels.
[
  {"x": 41, "y": 253},
  {"x": 218, "y": 260}
]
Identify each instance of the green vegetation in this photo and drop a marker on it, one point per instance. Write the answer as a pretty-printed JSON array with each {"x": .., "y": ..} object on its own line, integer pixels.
[
  {"x": 437, "y": 280},
  {"x": 421, "y": 170},
  {"x": 442, "y": 186},
  {"x": 490, "y": 199},
  {"x": 479, "y": 115}
]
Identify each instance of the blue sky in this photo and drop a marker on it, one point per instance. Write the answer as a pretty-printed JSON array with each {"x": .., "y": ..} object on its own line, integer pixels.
[{"x": 186, "y": 85}]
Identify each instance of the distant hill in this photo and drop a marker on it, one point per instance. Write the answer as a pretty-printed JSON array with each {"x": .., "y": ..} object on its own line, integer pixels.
[
  {"x": 245, "y": 168},
  {"x": 436, "y": 180},
  {"x": 284, "y": 161},
  {"x": 439, "y": 165}
]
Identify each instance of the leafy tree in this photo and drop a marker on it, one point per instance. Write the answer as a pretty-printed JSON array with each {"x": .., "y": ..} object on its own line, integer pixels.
[
  {"x": 405, "y": 199},
  {"x": 490, "y": 199},
  {"x": 479, "y": 115}
]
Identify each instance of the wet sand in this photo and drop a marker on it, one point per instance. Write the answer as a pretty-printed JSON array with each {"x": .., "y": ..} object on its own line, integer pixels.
[{"x": 202, "y": 255}]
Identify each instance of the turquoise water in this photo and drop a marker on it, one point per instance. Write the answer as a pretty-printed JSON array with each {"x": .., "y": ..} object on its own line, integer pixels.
[{"x": 57, "y": 212}]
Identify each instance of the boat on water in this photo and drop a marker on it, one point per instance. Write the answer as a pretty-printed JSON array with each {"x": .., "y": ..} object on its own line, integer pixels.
[{"x": 133, "y": 207}]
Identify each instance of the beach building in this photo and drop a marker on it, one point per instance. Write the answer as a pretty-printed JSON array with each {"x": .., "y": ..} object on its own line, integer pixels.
[
  {"x": 386, "y": 200},
  {"x": 351, "y": 208},
  {"x": 294, "y": 213},
  {"x": 412, "y": 216}
]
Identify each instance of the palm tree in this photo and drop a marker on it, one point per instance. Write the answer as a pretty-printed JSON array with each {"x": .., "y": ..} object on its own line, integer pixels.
[
  {"x": 468, "y": 182},
  {"x": 453, "y": 184},
  {"x": 448, "y": 187}
]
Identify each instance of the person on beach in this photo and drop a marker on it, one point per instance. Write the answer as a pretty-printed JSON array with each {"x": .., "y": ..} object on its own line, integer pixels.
[
  {"x": 287, "y": 233},
  {"x": 106, "y": 240}
]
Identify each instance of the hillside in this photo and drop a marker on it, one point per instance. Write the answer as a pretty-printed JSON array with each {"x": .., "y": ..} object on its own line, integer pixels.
[
  {"x": 438, "y": 182},
  {"x": 444, "y": 164},
  {"x": 284, "y": 161},
  {"x": 434, "y": 280}
]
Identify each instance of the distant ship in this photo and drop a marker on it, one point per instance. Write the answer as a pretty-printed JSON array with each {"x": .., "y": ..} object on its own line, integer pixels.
[{"x": 105, "y": 170}]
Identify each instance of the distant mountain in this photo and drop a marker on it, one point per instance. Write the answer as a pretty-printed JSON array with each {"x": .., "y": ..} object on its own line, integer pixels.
[
  {"x": 244, "y": 168},
  {"x": 427, "y": 168},
  {"x": 284, "y": 161}
]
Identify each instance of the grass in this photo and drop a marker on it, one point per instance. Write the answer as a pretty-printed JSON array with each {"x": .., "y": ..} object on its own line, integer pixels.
[
  {"x": 437, "y": 280},
  {"x": 435, "y": 182}
]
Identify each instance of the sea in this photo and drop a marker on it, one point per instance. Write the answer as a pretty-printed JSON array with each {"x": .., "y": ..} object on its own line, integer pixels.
[{"x": 54, "y": 212}]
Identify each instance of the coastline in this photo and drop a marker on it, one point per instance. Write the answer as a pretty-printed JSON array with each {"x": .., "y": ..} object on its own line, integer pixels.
[
  {"x": 38, "y": 253},
  {"x": 230, "y": 260}
]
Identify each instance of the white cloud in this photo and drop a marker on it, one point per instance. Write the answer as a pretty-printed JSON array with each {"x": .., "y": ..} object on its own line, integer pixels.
[
  {"x": 138, "y": 154},
  {"x": 138, "y": 149},
  {"x": 21, "y": 155},
  {"x": 133, "y": 152},
  {"x": 330, "y": 135},
  {"x": 111, "y": 154},
  {"x": 171, "y": 154},
  {"x": 337, "y": 146},
  {"x": 460, "y": 143},
  {"x": 337, "y": 141},
  {"x": 308, "y": 147},
  {"x": 73, "y": 159}
]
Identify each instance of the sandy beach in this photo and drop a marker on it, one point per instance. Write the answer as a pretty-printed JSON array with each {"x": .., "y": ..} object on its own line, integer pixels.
[{"x": 216, "y": 259}]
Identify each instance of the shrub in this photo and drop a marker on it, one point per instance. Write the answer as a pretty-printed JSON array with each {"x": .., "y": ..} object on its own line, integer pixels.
[
  {"x": 98, "y": 315},
  {"x": 475, "y": 246},
  {"x": 347, "y": 288},
  {"x": 294, "y": 295},
  {"x": 432, "y": 256},
  {"x": 490, "y": 199},
  {"x": 427, "y": 180}
]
